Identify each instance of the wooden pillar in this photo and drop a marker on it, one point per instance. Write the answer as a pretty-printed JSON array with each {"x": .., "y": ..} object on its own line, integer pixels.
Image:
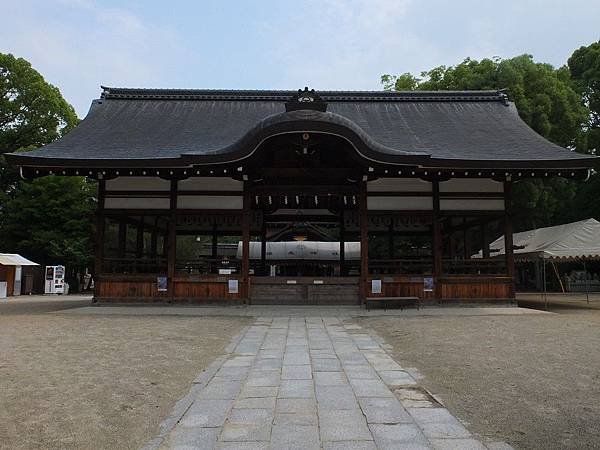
[
  {"x": 214, "y": 249},
  {"x": 466, "y": 246},
  {"x": 485, "y": 240},
  {"x": 154, "y": 240},
  {"x": 246, "y": 246},
  {"x": 100, "y": 225},
  {"x": 122, "y": 238},
  {"x": 437, "y": 245},
  {"x": 391, "y": 239},
  {"x": 342, "y": 243},
  {"x": 139, "y": 243},
  {"x": 263, "y": 246},
  {"x": 172, "y": 239},
  {"x": 363, "y": 215},
  {"x": 508, "y": 237}
]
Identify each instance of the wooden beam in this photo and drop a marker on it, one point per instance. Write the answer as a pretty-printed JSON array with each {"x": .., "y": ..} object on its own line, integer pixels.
[{"x": 508, "y": 236}]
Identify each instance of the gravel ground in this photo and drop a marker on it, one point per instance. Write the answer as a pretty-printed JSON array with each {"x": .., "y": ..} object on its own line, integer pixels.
[
  {"x": 531, "y": 380},
  {"x": 101, "y": 382}
]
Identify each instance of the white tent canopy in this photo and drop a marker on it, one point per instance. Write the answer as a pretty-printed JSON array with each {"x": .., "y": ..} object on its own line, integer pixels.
[
  {"x": 569, "y": 241},
  {"x": 12, "y": 259}
]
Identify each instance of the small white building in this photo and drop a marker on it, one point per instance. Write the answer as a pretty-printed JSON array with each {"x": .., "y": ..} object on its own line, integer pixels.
[{"x": 11, "y": 273}]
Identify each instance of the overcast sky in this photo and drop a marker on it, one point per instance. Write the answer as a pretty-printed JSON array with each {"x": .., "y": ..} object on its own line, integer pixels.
[{"x": 253, "y": 44}]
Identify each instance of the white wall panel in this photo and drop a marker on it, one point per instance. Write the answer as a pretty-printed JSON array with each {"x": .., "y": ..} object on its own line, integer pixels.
[
  {"x": 210, "y": 184},
  {"x": 136, "y": 203},
  {"x": 398, "y": 185},
  {"x": 399, "y": 203},
  {"x": 471, "y": 185},
  {"x": 469, "y": 204},
  {"x": 138, "y": 184},
  {"x": 210, "y": 202}
]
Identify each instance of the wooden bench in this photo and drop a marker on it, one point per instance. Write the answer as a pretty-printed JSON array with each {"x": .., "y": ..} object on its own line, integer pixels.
[{"x": 386, "y": 302}]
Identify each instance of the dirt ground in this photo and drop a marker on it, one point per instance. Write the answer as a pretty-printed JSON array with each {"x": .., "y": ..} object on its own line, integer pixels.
[
  {"x": 101, "y": 382},
  {"x": 531, "y": 380}
]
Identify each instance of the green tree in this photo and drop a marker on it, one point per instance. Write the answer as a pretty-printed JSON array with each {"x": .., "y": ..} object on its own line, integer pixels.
[
  {"x": 49, "y": 219},
  {"x": 547, "y": 102},
  {"x": 584, "y": 66}
]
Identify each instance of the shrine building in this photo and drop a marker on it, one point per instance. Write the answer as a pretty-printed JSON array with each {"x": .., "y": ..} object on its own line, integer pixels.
[{"x": 305, "y": 198}]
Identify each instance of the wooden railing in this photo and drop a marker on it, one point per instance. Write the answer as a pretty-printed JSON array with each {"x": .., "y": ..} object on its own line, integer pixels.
[
  {"x": 207, "y": 266},
  {"x": 401, "y": 266},
  {"x": 134, "y": 265},
  {"x": 475, "y": 266}
]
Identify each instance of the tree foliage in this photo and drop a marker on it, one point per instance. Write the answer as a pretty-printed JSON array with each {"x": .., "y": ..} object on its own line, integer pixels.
[
  {"x": 584, "y": 66},
  {"x": 32, "y": 111},
  {"x": 49, "y": 219},
  {"x": 546, "y": 100}
]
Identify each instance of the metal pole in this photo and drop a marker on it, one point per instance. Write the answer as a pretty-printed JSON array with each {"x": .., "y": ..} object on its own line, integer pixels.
[
  {"x": 544, "y": 281},
  {"x": 587, "y": 285}
]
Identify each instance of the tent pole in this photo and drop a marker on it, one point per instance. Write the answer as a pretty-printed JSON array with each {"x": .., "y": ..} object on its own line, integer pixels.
[
  {"x": 562, "y": 288},
  {"x": 587, "y": 284},
  {"x": 544, "y": 281}
]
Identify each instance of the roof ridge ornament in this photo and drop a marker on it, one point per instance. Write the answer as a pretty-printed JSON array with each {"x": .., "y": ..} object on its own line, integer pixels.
[{"x": 306, "y": 99}]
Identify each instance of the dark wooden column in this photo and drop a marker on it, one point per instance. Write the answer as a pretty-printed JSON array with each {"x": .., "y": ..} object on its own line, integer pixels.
[
  {"x": 246, "y": 246},
  {"x": 391, "y": 238},
  {"x": 139, "y": 242},
  {"x": 214, "y": 248},
  {"x": 466, "y": 249},
  {"x": 508, "y": 236},
  {"x": 100, "y": 225},
  {"x": 154, "y": 240},
  {"x": 437, "y": 245},
  {"x": 263, "y": 246},
  {"x": 122, "y": 237},
  {"x": 485, "y": 240},
  {"x": 342, "y": 243},
  {"x": 172, "y": 239},
  {"x": 363, "y": 216}
]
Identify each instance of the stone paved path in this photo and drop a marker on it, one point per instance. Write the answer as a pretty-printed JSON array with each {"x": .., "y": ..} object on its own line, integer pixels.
[{"x": 314, "y": 383}]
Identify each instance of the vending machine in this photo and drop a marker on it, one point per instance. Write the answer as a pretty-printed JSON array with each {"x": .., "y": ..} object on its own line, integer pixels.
[{"x": 55, "y": 280}]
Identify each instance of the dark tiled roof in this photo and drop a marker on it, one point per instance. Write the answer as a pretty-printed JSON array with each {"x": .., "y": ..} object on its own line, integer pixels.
[{"x": 173, "y": 126}]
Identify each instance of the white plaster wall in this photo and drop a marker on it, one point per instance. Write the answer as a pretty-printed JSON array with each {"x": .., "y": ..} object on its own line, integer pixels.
[
  {"x": 210, "y": 184},
  {"x": 471, "y": 185},
  {"x": 136, "y": 203},
  {"x": 210, "y": 202},
  {"x": 399, "y": 203},
  {"x": 398, "y": 185},
  {"x": 469, "y": 204},
  {"x": 138, "y": 184}
]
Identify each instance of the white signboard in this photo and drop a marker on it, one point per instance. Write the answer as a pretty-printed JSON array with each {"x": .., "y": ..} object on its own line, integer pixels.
[
  {"x": 233, "y": 286},
  {"x": 376, "y": 286},
  {"x": 428, "y": 284}
]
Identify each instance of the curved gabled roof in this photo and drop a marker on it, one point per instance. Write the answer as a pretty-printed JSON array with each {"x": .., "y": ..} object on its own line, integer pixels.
[{"x": 162, "y": 127}]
